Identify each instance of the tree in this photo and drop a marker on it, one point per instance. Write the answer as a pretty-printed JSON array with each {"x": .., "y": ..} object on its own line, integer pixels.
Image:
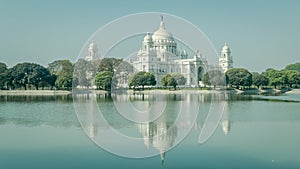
[
  {"x": 238, "y": 77},
  {"x": 295, "y": 66},
  {"x": 122, "y": 73},
  {"x": 214, "y": 78},
  {"x": 180, "y": 79},
  {"x": 61, "y": 70},
  {"x": 51, "y": 80},
  {"x": 142, "y": 79},
  {"x": 169, "y": 80},
  {"x": 3, "y": 75},
  {"x": 64, "y": 82},
  {"x": 259, "y": 79},
  {"x": 28, "y": 73},
  {"x": 293, "y": 77},
  {"x": 59, "y": 67},
  {"x": 276, "y": 77},
  {"x": 81, "y": 73},
  {"x": 3, "y": 67},
  {"x": 103, "y": 80},
  {"x": 109, "y": 64}
]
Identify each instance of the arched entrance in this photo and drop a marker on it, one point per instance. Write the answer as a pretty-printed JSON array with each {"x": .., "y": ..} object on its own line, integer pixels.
[{"x": 200, "y": 72}]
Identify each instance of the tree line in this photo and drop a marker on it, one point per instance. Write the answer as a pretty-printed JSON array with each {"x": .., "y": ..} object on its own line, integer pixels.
[
  {"x": 241, "y": 78},
  {"x": 62, "y": 74}
]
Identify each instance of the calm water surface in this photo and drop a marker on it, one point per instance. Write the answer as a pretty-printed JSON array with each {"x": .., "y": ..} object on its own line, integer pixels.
[{"x": 255, "y": 132}]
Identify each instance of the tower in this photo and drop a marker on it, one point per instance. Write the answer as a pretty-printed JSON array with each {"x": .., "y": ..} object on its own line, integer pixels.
[
  {"x": 225, "y": 60},
  {"x": 92, "y": 51}
]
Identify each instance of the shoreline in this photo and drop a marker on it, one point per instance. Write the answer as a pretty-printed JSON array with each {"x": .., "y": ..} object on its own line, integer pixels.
[
  {"x": 233, "y": 91},
  {"x": 34, "y": 92},
  {"x": 156, "y": 91}
]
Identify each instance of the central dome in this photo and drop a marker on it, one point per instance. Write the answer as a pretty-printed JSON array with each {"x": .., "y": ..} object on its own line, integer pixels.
[{"x": 162, "y": 33}]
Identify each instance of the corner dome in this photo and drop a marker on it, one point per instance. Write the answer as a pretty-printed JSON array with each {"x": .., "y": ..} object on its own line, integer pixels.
[{"x": 148, "y": 37}]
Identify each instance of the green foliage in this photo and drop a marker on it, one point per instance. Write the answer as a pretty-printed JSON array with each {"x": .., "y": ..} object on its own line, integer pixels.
[
  {"x": 64, "y": 82},
  {"x": 276, "y": 77},
  {"x": 109, "y": 64},
  {"x": 81, "y": 70},
  {"x": 214, "y": 78},
  {"x": 295, "y": 66},
  {"x": 239, "y": 77},
  {"x": 103, "y": 80},
  {"x": 180, "y": 79},
  {"x": 259, "y": 79},
  {"x": 84, "y": 72},
  {"x": 293, "y": 77},
  {"x": 142, "y": 79},
  {"x": 169, "y": 80},
  {"x": 3, "y": 75},
  {"x": 28, "y": 73},
  {"x": 61, "y": 74},
  {"x": 61, "y": 67},
  {"x": 3, "y": 67}
]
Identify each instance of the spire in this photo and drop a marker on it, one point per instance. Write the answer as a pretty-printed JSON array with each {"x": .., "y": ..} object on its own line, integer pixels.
[{"x": 162, "y": 24}]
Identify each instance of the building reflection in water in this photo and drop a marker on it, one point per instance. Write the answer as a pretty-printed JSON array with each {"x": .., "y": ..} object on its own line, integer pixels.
[
  {"x": 165, "y": 132},
  {"x": 159, "y": 134},
  {"x": 91, "y": 124},
  {"x": 225, "y": 122},
  {"x": 88, "y": 113}
]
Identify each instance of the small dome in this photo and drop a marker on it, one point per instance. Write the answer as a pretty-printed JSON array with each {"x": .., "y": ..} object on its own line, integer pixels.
[
  {"x": 148, "y": 37},
  {"x": 225, "y": 47}
]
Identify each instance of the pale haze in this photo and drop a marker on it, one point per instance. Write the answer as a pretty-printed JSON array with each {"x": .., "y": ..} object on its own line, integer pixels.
[{"x": 260, "y": 34}]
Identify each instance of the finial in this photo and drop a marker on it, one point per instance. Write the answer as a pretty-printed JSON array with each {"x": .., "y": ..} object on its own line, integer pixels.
[{"x": 162, "y": 24}]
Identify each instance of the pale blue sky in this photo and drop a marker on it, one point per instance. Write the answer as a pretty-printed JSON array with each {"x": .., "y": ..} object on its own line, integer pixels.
[{"x": 261, "y": 34}]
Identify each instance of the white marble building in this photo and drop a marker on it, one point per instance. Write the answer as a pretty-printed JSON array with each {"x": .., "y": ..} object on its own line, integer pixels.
[{"x": 160, "y": 56}]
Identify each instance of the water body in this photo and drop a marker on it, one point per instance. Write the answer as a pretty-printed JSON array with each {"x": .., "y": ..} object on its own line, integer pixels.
[{"x": 44, "y": 132}]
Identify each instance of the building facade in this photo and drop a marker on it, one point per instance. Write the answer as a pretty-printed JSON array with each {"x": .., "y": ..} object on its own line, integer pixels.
[{"x": 160, "y": 56}]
